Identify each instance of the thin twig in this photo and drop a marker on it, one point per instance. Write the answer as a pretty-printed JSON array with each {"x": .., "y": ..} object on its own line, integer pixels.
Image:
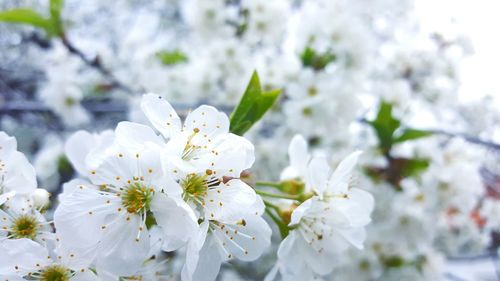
[
  {"x": 97, "y": 65},
  {"x": 466, "y": 137}
]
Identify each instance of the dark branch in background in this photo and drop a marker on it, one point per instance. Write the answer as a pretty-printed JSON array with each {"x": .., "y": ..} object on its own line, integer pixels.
[
  {"x": 92, "y": 63},
  {"x": 470, "y": 139},
  {"x": 97, "y": 65},
  {"x": 466, "y": 137},
  {"x": 14, "y": 107}
]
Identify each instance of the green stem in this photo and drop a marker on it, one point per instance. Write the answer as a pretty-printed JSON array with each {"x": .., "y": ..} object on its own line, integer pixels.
[
  {"x": 273, "y": 195},
  {"x": 271, "y": 205},
  {"x": 268, "y": 184},
  {"x": 281, "y": 225}
]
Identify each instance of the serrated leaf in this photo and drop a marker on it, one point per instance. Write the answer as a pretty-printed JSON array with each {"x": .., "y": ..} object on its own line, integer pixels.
[
  {"x": 24, "y": 16},
  {"x": 411, "y": 134},
  {"x": 253, "y": 105}
]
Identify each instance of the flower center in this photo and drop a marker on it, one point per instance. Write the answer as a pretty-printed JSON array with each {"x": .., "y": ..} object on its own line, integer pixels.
[
  {"x": 307, "y": 111},
  {"x": 191, "y": 150},
  {"x": 195, "y": 187},
  {"x": 137, "y": 197},
  {"x": 24, "y": 226},
  {"x": 132, "y": 278},
  {"x": 55, "y": 273}
]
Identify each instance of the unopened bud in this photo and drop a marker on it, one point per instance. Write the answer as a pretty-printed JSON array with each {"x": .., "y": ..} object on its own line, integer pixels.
[
  {"x": 293, "y": 186},
  {"x": 41, "y": 198},
  {"x": 286, "y": 213}
]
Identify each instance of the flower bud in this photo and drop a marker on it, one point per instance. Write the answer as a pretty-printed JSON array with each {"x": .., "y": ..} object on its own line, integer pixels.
[
  {"x": 41, "y": 198},
  {"x": 292, "y": 186}
]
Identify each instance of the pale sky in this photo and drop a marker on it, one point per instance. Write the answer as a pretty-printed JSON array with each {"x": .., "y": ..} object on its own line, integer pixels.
[{"x": 480, "y": 21}]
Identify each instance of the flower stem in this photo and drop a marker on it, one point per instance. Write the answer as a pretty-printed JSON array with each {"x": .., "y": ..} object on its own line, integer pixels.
[
  {"x": 268, "y": 184},
  {"x": 281, "y": 225},
  {"x": 271, "y": 205},
  {"x": 274, "y": 195}
]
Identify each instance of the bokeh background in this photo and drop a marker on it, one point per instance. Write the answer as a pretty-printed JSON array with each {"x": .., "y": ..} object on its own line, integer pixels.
[{"x": 432, "y": 65}]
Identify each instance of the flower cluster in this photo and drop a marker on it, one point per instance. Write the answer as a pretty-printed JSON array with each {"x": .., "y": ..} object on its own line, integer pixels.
[
  {"x": 184, "y": 181},
  {"x": 169, "y": 186},
  {"x": 163, "y": 199}
]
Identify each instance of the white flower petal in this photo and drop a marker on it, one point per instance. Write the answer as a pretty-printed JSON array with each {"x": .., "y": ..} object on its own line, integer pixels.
[
  {"x": 82, "y": 143},
  {"x": 18, "y": 174},
  {"x": 6, "y": 196},
  {"x": 208, "y": 262},
  {"x": 74, "y": 258},
  {"x": 72, "y": 186},
  {"x": 288, "y": 253},
  {"x": 119, "y": 167},
  {"x": 234, "y": 154},
  {"x": 355, "y": 236},
  {"x": 87, "y": 275},
  {"x": 299, "y": 158},
  {"x": 81, "y": 215},
  {"x": 20, "y": 256},
  {"x": 228, "y": 200},
  {"x": 76, "y": 149},
  {"x": 339, "y": 181},
  {"x": 135, "y": 136},
  {"x": 321, "y": 262},
  {"x": 356, "y": 208},
  {"x": 246, "y": 240},
  {"x": 193, "y": 252},
  {"x": 208, "y": 120},
  {"x": 318, "y": 171},
  {"x": 300, "y": 211},
  {"x": 7, "y": 144},
  {"x": 121, "y": 251},
  {"x": 176, "y": 219},
  {"x": 161, "y": 115}
]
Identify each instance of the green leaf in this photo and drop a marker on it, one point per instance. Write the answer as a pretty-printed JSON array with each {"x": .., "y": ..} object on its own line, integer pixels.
[
  {"x": 52, "y": 26},
  {"x": 411, "y": 134},
  {"x": 388, "y": 129},
  {"x": 253, "y": 105},
  {"x": 393, "y": 261},
  {"x": 414, "y": 167},
  {"x": 310, "y": 58},
  {"x": 55, "y": 9},
  {"x": 24, "y": 16},
  {"x": 171, "y": 57},
  {"x": 385, "y": 125}
]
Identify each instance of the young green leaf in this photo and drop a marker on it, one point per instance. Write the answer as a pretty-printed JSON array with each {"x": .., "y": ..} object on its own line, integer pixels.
[
  {"x": 388, "y": 129},
  {"x": 52, "y": 25},
  {"x": 385, "y": 125},
  {"x": 171, "y": 57},
  {"x": 253, "y": 105},
  {"x": 55, "y": 9},
  {"x": 311, "y": 58},
  {"x": 24, "y": 16},
  {"x": 411, "y": 134},
  {"x": 414, "y": 167}
]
